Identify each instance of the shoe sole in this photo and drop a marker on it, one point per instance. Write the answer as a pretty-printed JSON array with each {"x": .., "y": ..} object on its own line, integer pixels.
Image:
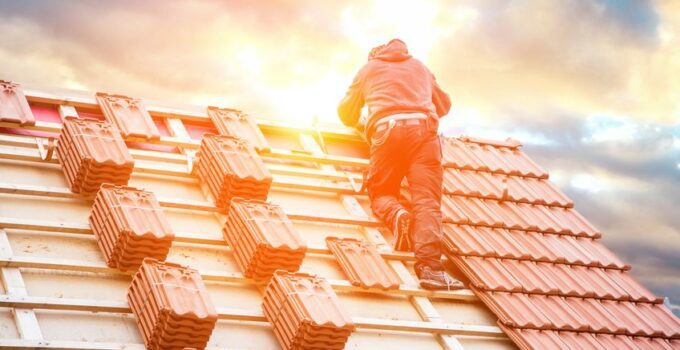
[
  {"x": 439, "y": 286},
  {"x": 403, "y": 240}
]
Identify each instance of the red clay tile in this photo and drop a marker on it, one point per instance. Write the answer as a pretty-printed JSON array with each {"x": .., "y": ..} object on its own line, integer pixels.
[
  {"x": 635, "y": 290},
  {"x": 580, "y": 340},
  {"x": 472, "y": 183},
  {"x": 233, "y": 122},
  {"x": 362, "y": 264},
  {"x": 231, "y": 168},
  {"x": 561, "y": 315},
  {"x": 305, "y": 312},
  {"x": 537, "y": 246},
  {"x": 129, "y": 115},
  {"x": 598, "y": 317},
  {"x": 486, "y": 273},
  {"x": 456, "y": 154},
  {"x": 14, "y": 107},
  {"x": 531, "y": 277},
  {"x": 92, "y": 152},
  {"x": 622, "y": 342},
  {"x": 534, "y": 339},
  {"x": 473, "y": 210},
  {"x": 171, "y": 305},
  {"x": 536, "y": 191},
  {"x": 464, "y": 240},
  {"x": 263, "y": 238},
  {"x": 515, "y": 309},
  {"x": 130, "y": 226}
]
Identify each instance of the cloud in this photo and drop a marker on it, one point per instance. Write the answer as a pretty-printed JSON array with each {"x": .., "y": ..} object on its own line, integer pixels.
[{"x": 591, "y": 87}]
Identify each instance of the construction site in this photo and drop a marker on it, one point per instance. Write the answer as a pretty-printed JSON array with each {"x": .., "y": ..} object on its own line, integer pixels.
[{"x": 131, "y": 225}]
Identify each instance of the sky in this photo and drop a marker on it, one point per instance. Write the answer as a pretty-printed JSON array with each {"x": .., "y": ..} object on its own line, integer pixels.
[{"x": 591, "y": 88}]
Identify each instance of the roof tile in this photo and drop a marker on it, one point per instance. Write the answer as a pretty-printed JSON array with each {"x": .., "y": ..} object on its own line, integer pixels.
[
  {"x": 129, "y": 225},
  {"x": 231, "y": 168},
  {"x": 233, "y": 122},
  {"x": 362, "y": 264},
  {"x": 92, "y": 152},
  {"x": 14, "y": 107},
  {"x": 534, "y": 339},
  {"x": 472, "y": 183},
  {"x": 515, "y": 309},
  {"x": 263, "y": 238},
  {"x": 305, "y": 311},
  {"x": 474, "y": 156},
  {"x": 171, "y": 305},
  {"x": 487, "y": 273},
  {"x": 610, "y": 341},
  {"x": 129, "y": 115},
  {"x": 580, "y": 340}
]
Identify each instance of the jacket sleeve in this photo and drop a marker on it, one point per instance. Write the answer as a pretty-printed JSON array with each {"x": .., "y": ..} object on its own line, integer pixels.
[
  {"x": 349, "y": 109},
  {"x": 440, "y": 99}
]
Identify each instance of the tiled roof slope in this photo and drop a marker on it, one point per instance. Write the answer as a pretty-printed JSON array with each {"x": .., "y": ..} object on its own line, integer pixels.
[{"x": 536, "y": 262}]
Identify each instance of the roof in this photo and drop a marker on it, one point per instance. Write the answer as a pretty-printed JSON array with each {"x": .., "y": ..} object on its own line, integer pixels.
[{"x": 538, "y": 274}]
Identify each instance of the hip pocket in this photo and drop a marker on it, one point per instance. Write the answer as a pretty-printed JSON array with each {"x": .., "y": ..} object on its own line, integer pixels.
[{"x": 380, "y": 137}]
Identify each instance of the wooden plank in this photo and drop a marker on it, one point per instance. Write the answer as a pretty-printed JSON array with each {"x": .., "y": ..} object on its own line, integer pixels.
[
  {"x": 221, "y": 276},
  {"x": 193, "y": 144},
  {"x": 24, "y": 318},
  {"x": 195, "y": 114},
  {"x": 48, "y": 303},
  {"x": 63, "y": 192}
]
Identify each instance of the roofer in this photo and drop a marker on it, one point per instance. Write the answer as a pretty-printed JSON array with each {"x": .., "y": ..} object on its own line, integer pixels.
[{"x": 404, "y": 107}]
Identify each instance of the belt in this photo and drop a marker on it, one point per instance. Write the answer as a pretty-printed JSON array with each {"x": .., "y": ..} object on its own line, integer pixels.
[{"x": 392, "y": 123}]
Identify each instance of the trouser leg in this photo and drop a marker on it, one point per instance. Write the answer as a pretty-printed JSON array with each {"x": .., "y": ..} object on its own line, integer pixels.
[
  {"x": 385, "y": 172},
  {"x": 424, "y": 176}
]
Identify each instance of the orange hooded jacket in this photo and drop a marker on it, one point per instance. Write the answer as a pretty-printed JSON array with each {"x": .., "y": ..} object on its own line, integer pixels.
[{"x": 392, "y": 82}]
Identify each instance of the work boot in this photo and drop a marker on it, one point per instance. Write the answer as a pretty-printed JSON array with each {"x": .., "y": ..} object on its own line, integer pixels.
[
  {"x": 437, "y": 279},
  {"x": 402, "y": 232}
]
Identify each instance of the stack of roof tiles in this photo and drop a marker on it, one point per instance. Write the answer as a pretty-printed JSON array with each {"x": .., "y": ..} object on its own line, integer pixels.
[
  {"x": 231, "y": 168},
  {"x": 91, "y": 153},
  {"x": 263, "y": 238},
  {"x": 362, "y": 263},
  {"x": 305, "y": 312},
  {"x": 130, "y": 226},
  {"x": 14, "y": 107},
  {"x": 537, "y": 263},
  {"x": 129, "y": 115},
  {"x": 172, "y": 307},
  {"x": 233, "y": 122}
]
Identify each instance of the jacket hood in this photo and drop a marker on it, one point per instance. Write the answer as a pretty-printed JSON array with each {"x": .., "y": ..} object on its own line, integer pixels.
[{"x": 393, "y": 51}]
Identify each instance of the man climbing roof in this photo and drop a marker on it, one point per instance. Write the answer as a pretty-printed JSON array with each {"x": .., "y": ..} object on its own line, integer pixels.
[{"x": 404, "y": 107}]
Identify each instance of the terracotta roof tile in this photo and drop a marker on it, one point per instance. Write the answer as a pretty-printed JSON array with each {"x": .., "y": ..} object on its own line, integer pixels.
[
  {"x": 233, "y": 122},
  {"x": 536, "y": 262},
  {"x": 305, "y": 312},
  {"x": 231, "y": 168},
  {"x": 263, "y": 238},
  {"x": 14, "y": 107},
  {"x": 362, "y": 264},
  {"x": 129, "y": 225},
  {"x": 92, "y": 152},
  {"x": 533, "y": 339},
  {"x": 129, "y": 115},
  {"x": 487, "y": 273},
  {"x": 474, "y": 156},
  {"x": 171, "y": 306}
]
